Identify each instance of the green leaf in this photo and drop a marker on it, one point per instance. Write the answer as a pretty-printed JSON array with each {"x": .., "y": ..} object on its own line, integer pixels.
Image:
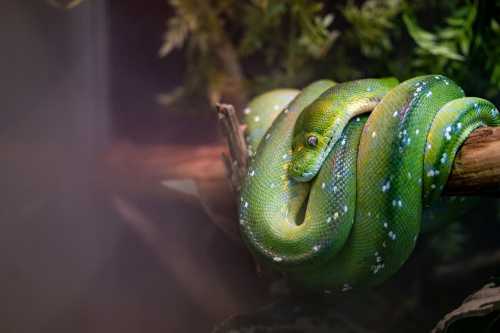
[
  {"x": 430, "y": 42},
  {"x": 418, "y": 34}
]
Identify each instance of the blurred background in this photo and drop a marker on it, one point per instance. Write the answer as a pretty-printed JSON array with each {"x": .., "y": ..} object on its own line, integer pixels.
[{"x": 116, "y": 215}]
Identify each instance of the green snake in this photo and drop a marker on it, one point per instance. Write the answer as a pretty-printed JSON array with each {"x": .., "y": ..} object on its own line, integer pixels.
[{"x": 334, "y": 197}]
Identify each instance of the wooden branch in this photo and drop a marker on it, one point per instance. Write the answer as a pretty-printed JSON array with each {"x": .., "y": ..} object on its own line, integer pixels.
[
  {"x": 476, "y": 170},
  {"x": 477, "y": 165},
  {"x": 236, "y": 162},
  {"x": 140, "y": 169},
  {"x": 480, "y": 304}
]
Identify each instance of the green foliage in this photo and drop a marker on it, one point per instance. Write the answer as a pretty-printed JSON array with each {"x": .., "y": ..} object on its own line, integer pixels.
[
  {"x": 291, "y": 42},
  {"x": 289, "y": 35},
  {"x": 286, "y": 34},
  {"x": 458, "y": 44},
  {"x": 196, "y": 23},
  {"x": 372, "y": 24},
  {"x": 308, "y": 34},
  {"x": 450, "y": 43},
  {"x": 196, "y": 28}
]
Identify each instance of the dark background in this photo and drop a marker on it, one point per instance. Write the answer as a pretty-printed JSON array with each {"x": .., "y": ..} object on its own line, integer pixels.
[{"x": 75, "y": 84}]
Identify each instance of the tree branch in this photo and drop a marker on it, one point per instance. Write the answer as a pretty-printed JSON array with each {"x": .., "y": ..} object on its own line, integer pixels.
[
  {"x": 477, "y": 165},
  {"x": 236, "y": 162},
  {"x": 476, "y": 170},
  {"x": 140, "y": 169}
]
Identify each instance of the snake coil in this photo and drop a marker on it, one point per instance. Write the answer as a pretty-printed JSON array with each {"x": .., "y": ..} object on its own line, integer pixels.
[{"x": 333, "y": 197}]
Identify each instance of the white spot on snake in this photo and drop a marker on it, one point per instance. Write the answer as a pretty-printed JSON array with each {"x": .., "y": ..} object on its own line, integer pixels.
[
  {"x": 400, "y": 203},
  {"x": 346, "y": 287},
  {"x": 459, "y": 126},
  {"x": 429, "y": 146},
  {"x": 316, "y": 248},
  {"x": 385, "y": 225},
  {"x": 395, "y": 114},
  {"x": 392, "y": 235},
  {"x": 286, "y": 111},
  {"x": 323, "y": 185},
  {"x": 334, "y": 188},
  {"x": 273, "y": 185},
  {"x": 284, "y": 156},
  {"x": 444, "y": 158},
  {"x": 447, "y": 132},
  {"x": 369, "y": 214},
  {"x": 433, "y": 186},
  {"x": 247, "y": 110},
  {"x": 415, "y": 238},
  {"x": 277, "y": 259},
  {"x": 386, "y": 186},
  {"x": 384, "y": 244},
  {"x": 335, "y": 215},
  {"x": 357, "y": 119},
  {"x": 256, "y": 119},
  {"x": 329, "y": 219},
  {"x": 431, "y": 173},
  {"x": 345, "y": 208},
  {"x": 437, "y": 77},
  {"x": 494, "y": 112},
  {"x": 446, "y": 82},
  {"x": 376, "y": 268},
  {"x": 409, "y": 175},
  {"x": 369, "y": 89},
  {"x": 343, "y": 142},
  {"x": 268, "y": 136},
  {"x": 252, "y": 173},
  {"x": 245, "y": 204},
  {"x": 417, "y": 131},
  {"x": 374, "y": 134},
  {"x": 242, "y": 221},
  {"x": 429, "y": 94},
  {"x": 276, "y": 107}
]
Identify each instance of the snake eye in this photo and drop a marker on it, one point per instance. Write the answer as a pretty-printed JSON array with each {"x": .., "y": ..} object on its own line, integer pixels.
[{"x": 312, "y": 140}]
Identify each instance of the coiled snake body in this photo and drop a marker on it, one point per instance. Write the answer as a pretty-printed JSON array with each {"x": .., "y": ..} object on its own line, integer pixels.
[{"x": 333, "y": 197}]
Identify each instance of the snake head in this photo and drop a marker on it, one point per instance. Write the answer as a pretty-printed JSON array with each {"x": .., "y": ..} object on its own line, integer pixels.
[{"x": 307, "y": 155}]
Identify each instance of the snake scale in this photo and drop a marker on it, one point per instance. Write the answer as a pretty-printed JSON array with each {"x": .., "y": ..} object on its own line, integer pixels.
[{"x": 339, "y": 174}]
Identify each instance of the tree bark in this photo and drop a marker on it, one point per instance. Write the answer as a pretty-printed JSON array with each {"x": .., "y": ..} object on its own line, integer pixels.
[{"x": 477, "y": 165}]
